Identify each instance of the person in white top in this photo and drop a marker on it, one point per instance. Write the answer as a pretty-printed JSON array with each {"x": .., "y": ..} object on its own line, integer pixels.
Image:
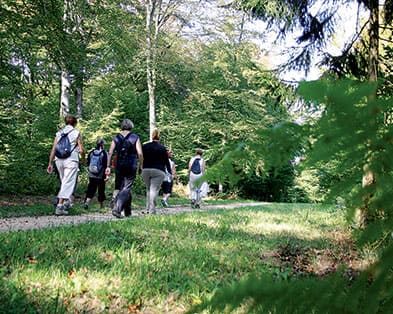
[
  {"x": 68, "y": 167},
  {"x": 196, "y": 169}
]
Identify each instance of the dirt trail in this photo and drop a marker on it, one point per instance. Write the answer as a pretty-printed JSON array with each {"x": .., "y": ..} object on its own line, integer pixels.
[{"x": 40, "y": 222}]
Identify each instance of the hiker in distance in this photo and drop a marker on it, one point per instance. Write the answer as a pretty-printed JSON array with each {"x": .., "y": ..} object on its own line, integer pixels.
[
  {"x": 196, "y": 169},
  {"x": 96, "y": 164},
  {"x": 65, "y": 151},
  {"x": 167, "y": 184},
  {"x": 129, "y": 150},
  {"x": 155, "y": 162}
]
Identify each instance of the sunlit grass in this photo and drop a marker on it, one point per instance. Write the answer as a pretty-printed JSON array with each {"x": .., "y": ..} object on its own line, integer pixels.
[{"x": 156, "y": 263}]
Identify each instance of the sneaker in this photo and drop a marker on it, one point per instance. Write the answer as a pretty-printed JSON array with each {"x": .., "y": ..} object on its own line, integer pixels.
[
  {"x": 192, "y": 203},
  {"x": 67, "y": 204},
  {"x": 59, "y": 210},
  {"x": 86, "y": 206},
  {"x": 197, "y": 206},
  {"x": 164, "y": 203},
  {"x": 116, "y": 214}
]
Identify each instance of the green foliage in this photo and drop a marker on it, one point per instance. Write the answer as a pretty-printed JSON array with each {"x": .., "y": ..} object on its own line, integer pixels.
[
  {"x": 351, "y": 132},
  {"x": 230, "y": 98}
]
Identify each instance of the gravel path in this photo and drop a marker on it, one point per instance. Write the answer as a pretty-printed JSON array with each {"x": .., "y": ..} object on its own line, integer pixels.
[{"x": 40, "y": 222}]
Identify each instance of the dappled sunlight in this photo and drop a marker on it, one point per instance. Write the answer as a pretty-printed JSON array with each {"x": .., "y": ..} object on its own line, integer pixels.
[
  {"x": 79, "y": 290},
  {"x": 275, "y": 229},
  {"x": 167, "y": 261}
]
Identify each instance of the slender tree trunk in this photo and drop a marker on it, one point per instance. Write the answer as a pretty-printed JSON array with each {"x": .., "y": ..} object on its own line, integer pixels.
[
  {"x": 79, "y": 101},
  {"x": 65, "y": 94},
  {"x": 78, "y": 90},
  {"x": 150, "y": 71},
  {"x": 369, "y": 177}
]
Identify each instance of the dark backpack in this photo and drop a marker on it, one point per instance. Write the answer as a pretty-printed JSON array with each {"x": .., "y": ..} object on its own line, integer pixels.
[
  {"x": 126, "y": 152},
  {"x": 63, "y": 148},
  {"x": 96, "y": 164},
  {"x": 196, "y": 166}
]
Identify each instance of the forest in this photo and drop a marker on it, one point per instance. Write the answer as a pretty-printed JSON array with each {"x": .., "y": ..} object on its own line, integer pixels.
[{"x": 214, "y": 75}]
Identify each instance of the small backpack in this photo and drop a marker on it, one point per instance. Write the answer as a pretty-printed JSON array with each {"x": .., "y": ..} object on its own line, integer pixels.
[
  {"x": 126, "y": 152},
  {"x": 63, "y": 146},
  {"x": 96, "y": 164},
  {"x": 196, "y": 166}
]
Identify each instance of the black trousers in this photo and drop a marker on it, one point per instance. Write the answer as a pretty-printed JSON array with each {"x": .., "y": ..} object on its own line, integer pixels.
[
  {"x": 94, "y": 185},
  {"x": 123, "y": 201}
]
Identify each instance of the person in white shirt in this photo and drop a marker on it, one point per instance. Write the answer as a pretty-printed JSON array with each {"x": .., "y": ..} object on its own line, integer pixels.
[
  {"x": 67, "y": 167},
  {"x": 196, "y": 169}
]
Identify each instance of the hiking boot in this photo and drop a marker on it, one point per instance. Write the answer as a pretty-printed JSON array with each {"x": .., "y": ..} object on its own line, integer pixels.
[
  {"x": 116, "y": 214},
  {"x": 59, "y": 210}
]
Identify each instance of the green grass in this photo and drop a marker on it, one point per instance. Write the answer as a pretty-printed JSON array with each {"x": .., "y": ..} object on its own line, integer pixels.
[{"x": 157, "y": 263}]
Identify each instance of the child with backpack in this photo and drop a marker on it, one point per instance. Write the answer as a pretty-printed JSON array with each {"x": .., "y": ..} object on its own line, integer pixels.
[
  {"x": 196, "y": 169},
  {"x": 97, "y": 161}
]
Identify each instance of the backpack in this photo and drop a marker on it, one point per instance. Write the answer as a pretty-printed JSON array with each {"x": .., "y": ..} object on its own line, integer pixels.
[
  {"x": 96, "y": 164},
  {"x": 63, "y": 146},
  {"x": 196, "y": 166},
  {"x": 126, "y": 152}
]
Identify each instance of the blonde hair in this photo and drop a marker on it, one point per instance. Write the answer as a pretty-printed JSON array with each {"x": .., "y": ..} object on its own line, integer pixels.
[{"x": 155, "y": 135}]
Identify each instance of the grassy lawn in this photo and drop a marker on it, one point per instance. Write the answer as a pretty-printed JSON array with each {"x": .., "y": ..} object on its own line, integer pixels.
[{"x": 166, "y": 264}]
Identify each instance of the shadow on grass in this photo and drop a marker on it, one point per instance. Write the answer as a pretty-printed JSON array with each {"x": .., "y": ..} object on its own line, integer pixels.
[{"x": 154, "y": 258}]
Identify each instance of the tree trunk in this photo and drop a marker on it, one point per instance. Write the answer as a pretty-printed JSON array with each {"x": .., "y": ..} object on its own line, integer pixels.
[
  {"x": 65, "y": 94},
  {"x": 150, "y": 70},
  {"x": 368, "y": 178},
  {"x": 78, "y": 90}
]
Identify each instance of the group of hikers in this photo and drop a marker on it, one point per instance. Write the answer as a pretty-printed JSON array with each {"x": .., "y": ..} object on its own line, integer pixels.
[{"x": 129, "y": 157}]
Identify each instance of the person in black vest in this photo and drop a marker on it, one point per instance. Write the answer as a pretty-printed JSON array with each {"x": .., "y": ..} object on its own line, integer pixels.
[
  {"x": 129, "y": 151},
  {"x": 96, "y": 163},
  {"x": 155, "y": 161}
]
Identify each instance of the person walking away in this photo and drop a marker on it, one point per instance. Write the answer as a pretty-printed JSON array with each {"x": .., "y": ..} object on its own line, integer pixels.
[
  {"x": 65, "y": 151},
  {"x": 196, "y": 169},
  {"x": 167, "y": 184},
  {"x": 155, "y": 161},
  {"x": 96, "y": 163},
  {"x": 129, "y": 150}
]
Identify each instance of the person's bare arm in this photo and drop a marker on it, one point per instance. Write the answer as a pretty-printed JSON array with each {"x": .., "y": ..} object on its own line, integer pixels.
[
  {"x": 49, "y": 169},
  {"x": 140, "y": 155},
  {"x": 81, "y": 149},
  {"x": 110, "y": 154}
]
